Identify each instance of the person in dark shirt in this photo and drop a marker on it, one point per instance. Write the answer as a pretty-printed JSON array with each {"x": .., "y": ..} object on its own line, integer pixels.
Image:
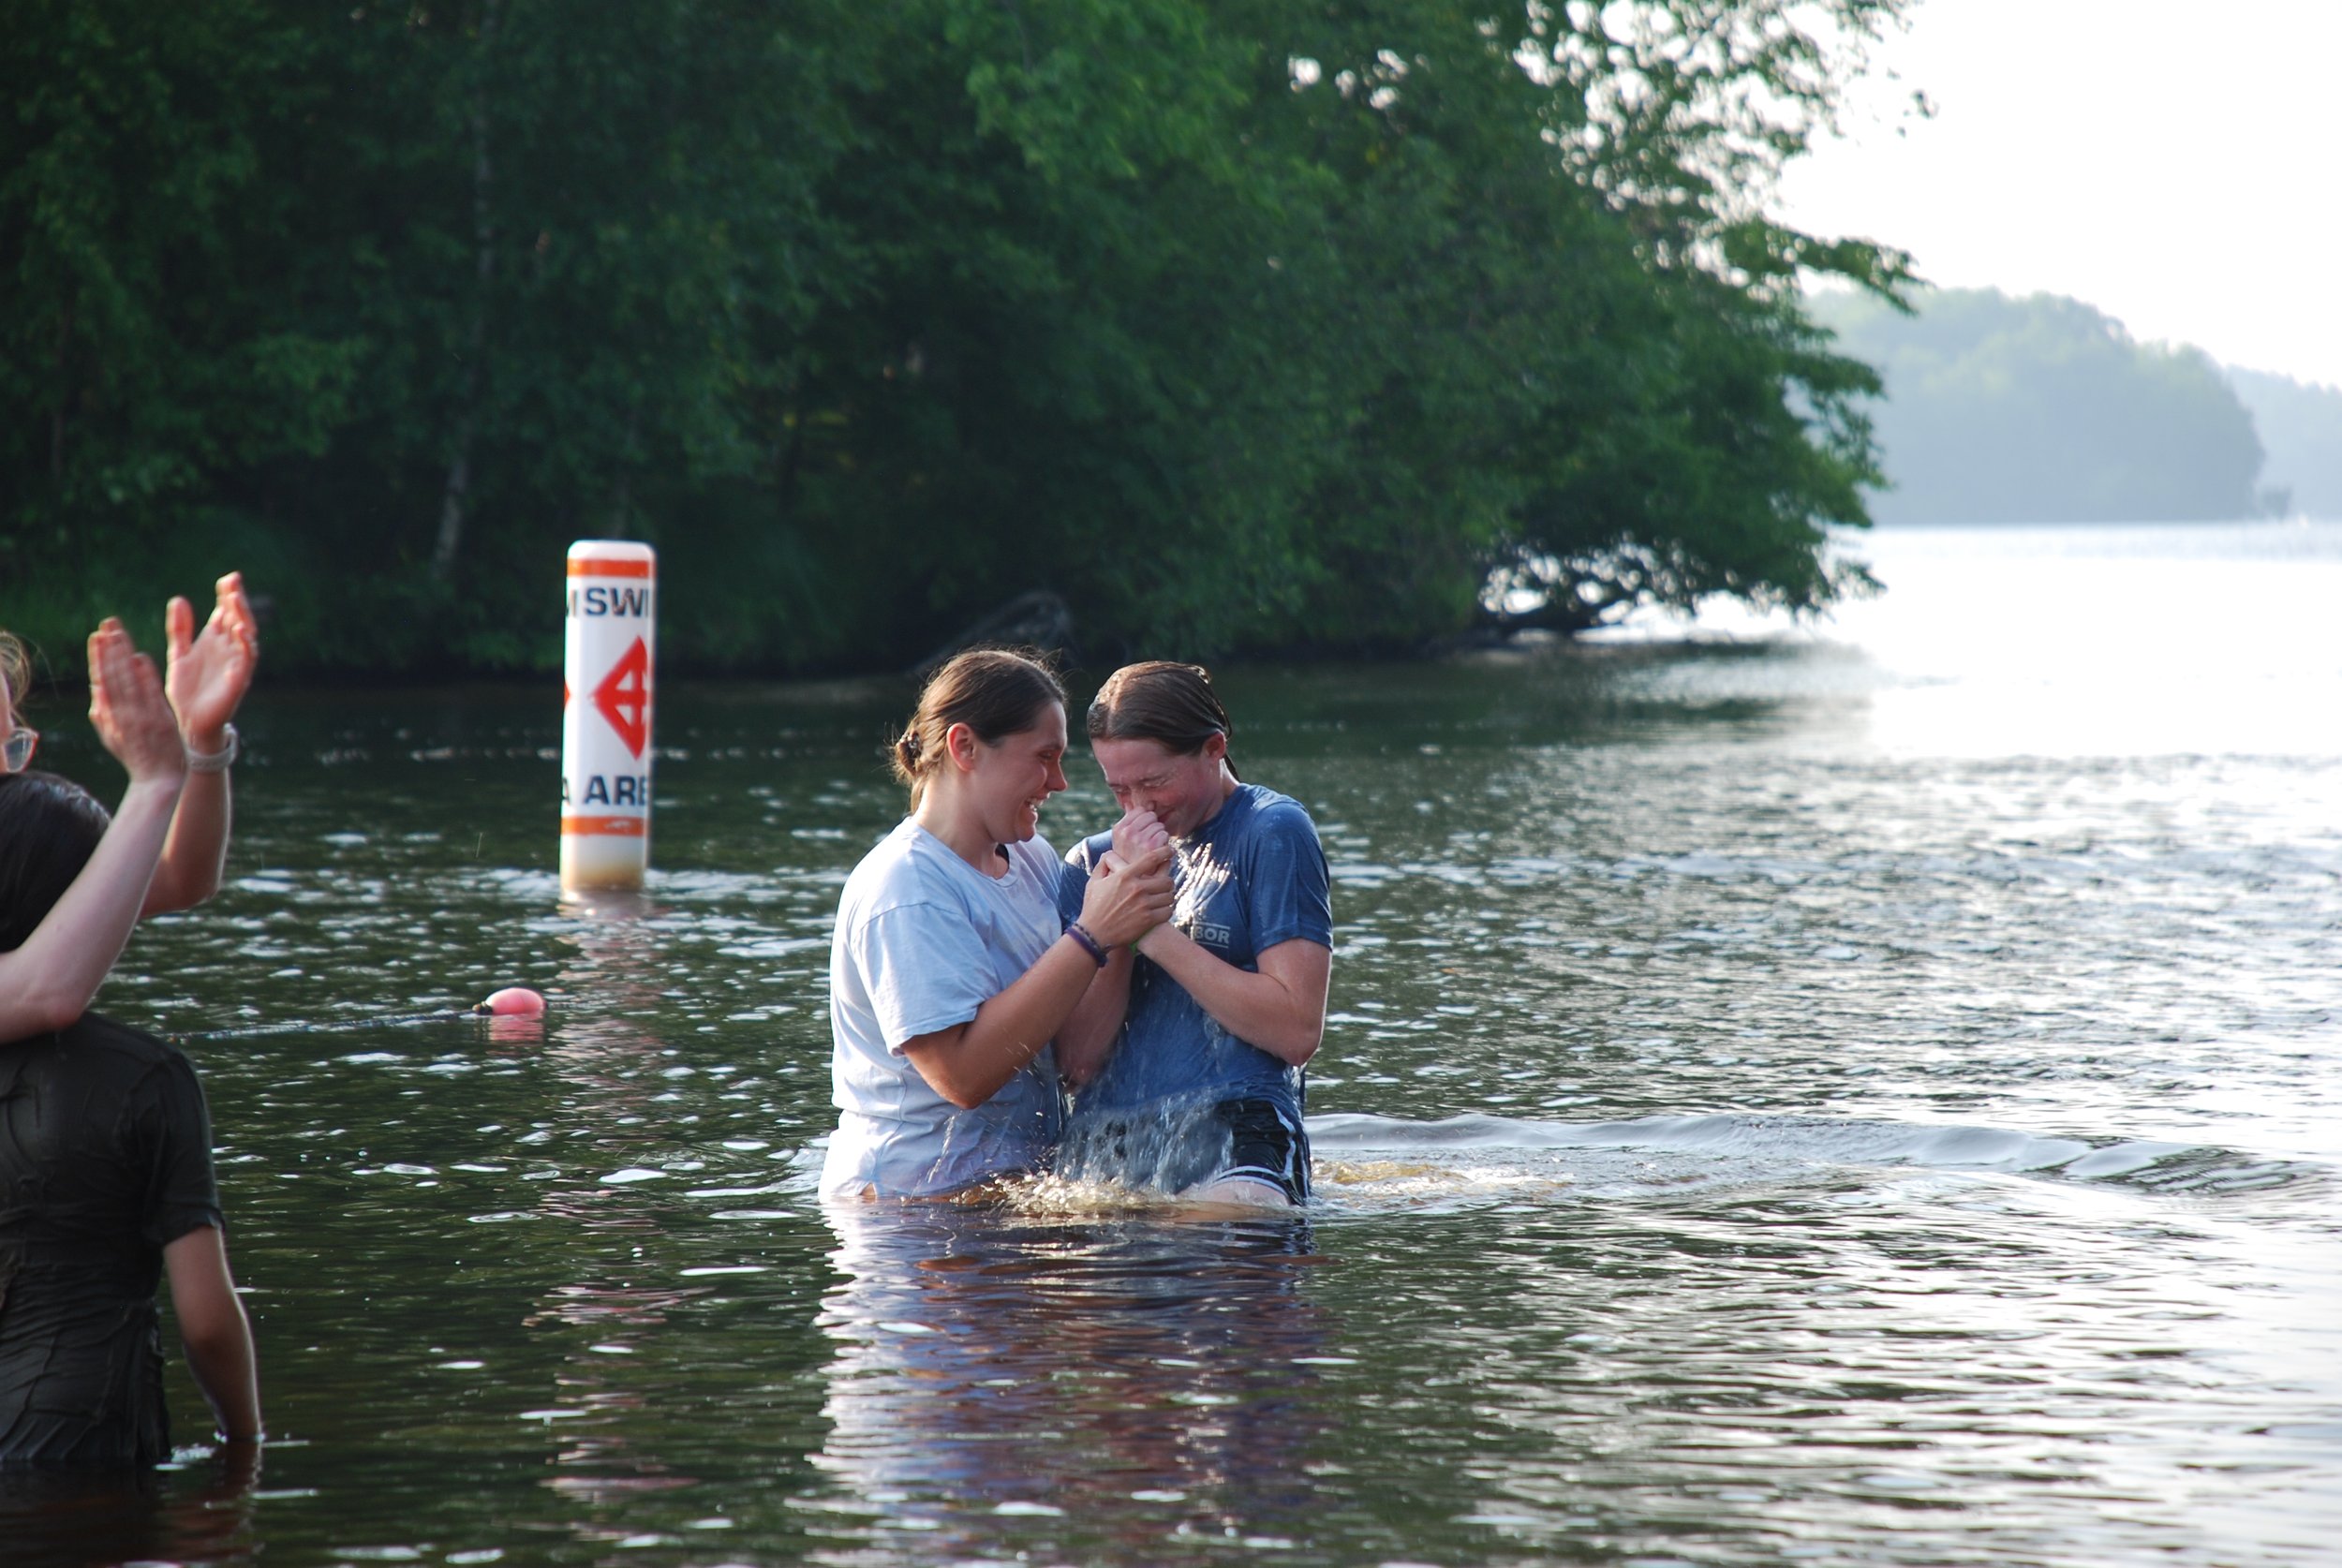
[
  {"x": 105, "y": 1183},
  {"x": 47, "y": 980},
  {"x": 1189, "y": 1049}
]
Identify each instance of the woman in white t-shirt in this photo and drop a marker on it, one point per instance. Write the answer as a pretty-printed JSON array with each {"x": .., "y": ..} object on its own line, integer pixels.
[{"x": 950, "y": 969}]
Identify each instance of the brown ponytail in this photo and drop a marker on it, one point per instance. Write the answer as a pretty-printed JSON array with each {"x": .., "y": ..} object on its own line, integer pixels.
[{"x": 994, "y": 691}]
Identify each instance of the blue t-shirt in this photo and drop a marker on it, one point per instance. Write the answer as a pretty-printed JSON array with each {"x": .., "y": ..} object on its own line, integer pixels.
[
  {"x": 1251, "y": 877},
  {"x": 923, "y": 940}
]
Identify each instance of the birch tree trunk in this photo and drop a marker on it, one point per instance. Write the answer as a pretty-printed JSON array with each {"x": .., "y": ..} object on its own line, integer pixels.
[{"x": 453, "y": 498}]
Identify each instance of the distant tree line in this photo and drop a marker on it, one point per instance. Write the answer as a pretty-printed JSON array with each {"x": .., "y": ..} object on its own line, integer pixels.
[
  {"x": 2043, "y": 409},
  {"x": 2300, "y": 424},
  {"x": 1237, "y": 325}
]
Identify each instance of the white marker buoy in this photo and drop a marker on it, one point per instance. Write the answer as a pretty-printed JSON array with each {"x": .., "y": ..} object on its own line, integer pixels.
[{"x": 606, "y": 716}]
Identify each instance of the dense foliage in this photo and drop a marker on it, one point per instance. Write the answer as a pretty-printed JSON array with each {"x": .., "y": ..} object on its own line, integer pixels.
[
  {"x": 1239, "y": 325},
  {"x": 2043, "y": 409}
]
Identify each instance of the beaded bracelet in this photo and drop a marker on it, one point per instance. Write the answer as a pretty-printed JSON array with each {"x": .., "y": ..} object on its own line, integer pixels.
[{"x": 1089, "y": 943}]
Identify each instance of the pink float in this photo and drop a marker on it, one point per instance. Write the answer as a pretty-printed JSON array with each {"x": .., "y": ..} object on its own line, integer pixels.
[{"x": 513, "y": 1001}]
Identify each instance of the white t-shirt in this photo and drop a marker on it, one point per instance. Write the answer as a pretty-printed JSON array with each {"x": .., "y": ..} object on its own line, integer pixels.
[{"x": 923, "y": 940}]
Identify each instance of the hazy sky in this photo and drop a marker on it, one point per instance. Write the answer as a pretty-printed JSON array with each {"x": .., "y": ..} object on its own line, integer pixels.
[{"x": 2177, "y": 166}]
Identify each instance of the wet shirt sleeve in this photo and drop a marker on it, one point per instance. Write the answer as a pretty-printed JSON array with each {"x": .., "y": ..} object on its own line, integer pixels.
[
  {"x": 1073, "y": 881},
  {"x": 925, "y": 968},
  {"x": 1286, "y": 882},
  {"x": 174, "y": 1128}
]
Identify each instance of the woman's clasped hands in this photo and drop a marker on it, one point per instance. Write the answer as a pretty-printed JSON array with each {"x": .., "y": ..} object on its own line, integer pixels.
[{"x": 1130, "y": 891}]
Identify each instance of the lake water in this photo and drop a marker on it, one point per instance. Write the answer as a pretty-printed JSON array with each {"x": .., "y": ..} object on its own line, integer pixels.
[{"x": 1856, "y": 1094}]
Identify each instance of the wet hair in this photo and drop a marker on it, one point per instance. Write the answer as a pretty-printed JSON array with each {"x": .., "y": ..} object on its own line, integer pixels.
[
  {"x": 1171, "y": 705},
  {"x": 49, "y": 828},
  {"x": 995, "y": 691}
]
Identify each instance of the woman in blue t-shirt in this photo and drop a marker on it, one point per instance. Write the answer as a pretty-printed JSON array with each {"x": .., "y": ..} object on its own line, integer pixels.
[
  {"x": 1190, "y": 1053},
  {"x": 950, "y": 968}
]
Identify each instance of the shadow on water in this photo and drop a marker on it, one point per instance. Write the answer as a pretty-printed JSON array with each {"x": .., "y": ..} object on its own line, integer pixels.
[
  {"x": 1005, "y": 1382},
  {"x": 198, "y": 1509}
]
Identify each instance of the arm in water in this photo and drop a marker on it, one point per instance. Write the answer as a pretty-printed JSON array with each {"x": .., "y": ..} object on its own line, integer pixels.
[
  {"x": 48, "y": 983},
  {"x": 215, "y": 1330}
]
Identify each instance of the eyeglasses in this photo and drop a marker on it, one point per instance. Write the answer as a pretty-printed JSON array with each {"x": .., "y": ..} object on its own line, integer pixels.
[{"x": 16, "y": 750}]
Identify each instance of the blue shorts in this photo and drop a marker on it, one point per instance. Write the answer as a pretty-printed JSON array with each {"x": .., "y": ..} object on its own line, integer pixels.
[{"x": 1265, "y": 1143}]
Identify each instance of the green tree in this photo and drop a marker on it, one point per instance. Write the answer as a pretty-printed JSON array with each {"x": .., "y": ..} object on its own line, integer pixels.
[
  {"x": 581, "y": 248},
  {"x": 1371, "y": 311},
  {"x": 1624, "y": 404},
  {"x": 1241, "y": 327},
  {"x": 138, "y": 363}
]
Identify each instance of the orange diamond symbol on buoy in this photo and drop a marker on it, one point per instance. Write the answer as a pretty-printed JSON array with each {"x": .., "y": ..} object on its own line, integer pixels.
[{"x": 624, "y": 698}]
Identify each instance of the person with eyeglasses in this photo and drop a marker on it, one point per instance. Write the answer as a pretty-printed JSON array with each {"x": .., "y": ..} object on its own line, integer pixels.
[
  {"x": 206, "y": 674},
  {"x": 169, "y": 842}
]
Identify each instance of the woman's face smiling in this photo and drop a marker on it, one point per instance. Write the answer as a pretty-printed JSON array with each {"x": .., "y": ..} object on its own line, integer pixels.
[
  {"x": 1185, "y": 789},
  {"x": 1014, "y": 775}
]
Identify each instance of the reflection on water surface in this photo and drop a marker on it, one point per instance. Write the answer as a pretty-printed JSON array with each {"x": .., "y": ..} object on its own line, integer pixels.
[
  {"x": 1861, "y": 1095},
  {"x": 1080, "y": 1389}
]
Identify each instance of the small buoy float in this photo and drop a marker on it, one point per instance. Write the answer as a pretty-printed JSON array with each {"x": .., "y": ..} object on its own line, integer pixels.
[{"x": 513, "y": 1001}]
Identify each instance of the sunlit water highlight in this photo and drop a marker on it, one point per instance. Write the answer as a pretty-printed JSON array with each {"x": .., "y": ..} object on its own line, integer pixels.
[{"x": 1857, "y": 1094}]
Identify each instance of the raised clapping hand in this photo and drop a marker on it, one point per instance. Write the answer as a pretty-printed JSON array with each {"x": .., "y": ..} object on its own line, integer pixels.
[
  {"x": 1128, "y": 898},
  {"x": 127, "y": 707},
  {"x": 209, "y": 673}
]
